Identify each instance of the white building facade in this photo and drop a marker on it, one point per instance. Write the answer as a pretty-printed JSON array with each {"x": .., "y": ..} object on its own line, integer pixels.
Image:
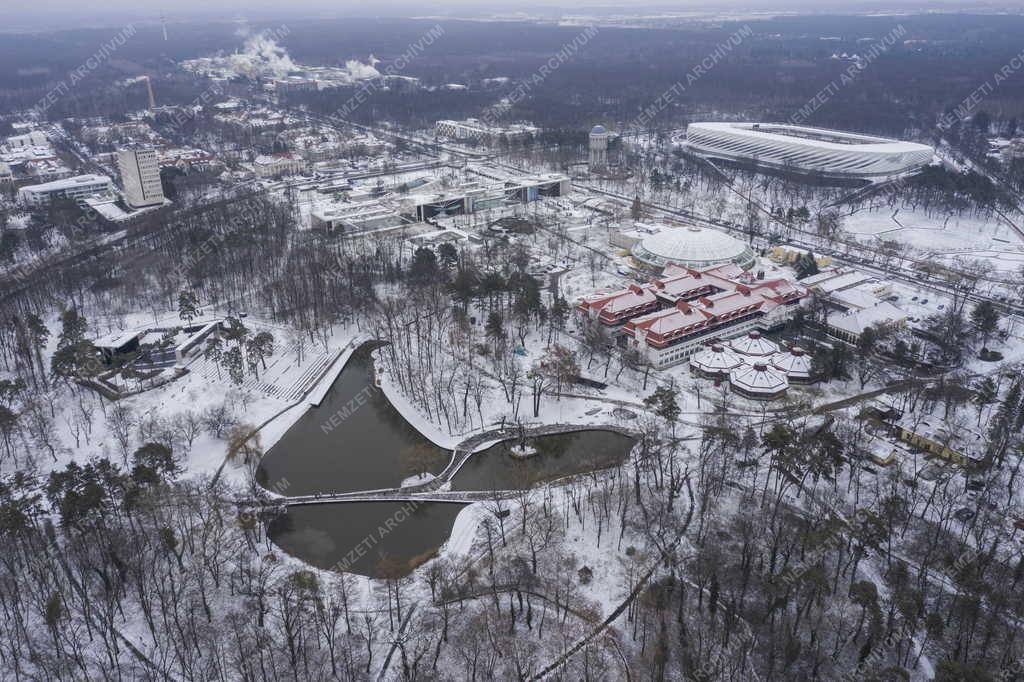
[
  {"x": 140, "y": 176},
  {"x": 74, "y": 188},
  {"x": 278, "y": 165}
]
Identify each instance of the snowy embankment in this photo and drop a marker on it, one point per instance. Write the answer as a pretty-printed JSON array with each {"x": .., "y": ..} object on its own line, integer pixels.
[
  {"x": 460, "y": 542},
  {"x": 411, "y": 414},
  {"x": 319, "y": 392}
]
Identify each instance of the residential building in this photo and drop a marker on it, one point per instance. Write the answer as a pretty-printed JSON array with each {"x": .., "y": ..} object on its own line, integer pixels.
[
  {"x": 278, "y": 165},
  {"x": 787, "y": 254},
  {"x": 850, "y": 326},
  {"x": 140, "y": 177},
  {"x": 35, "y": 138},
  {"x": 960, "y": 446}
]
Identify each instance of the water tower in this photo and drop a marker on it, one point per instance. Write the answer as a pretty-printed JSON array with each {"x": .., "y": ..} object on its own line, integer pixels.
[{"x": 599, "y": 147}]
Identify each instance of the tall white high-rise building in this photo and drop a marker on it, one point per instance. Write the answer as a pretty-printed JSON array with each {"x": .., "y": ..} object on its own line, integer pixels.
[
  {"x": 599, "y": 147},
  {"x": 140, "y": 176}
]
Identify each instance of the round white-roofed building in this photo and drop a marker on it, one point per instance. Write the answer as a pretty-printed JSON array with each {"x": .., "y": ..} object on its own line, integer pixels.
[
  {"x": 758, "y": 381},
  {"x": 754, "y": 345},
  {"x": 692, "y": 247},
  {"x": 715, "y": 362},
  {"x": 804, "y": 149},
  {"x": 795, "y": 364}
]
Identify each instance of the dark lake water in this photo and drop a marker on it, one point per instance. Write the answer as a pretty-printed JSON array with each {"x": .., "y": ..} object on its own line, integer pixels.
[
  {"x": 355, "y": 440},
  {"x": 557, "y": 455},
  {"x": 367, "y": 538}
]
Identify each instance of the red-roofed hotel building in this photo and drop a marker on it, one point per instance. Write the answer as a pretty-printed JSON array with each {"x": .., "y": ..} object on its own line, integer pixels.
[{"x": 673, "y": 317}]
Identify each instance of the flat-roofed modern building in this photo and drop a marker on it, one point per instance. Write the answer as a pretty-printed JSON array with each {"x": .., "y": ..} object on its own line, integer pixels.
[
  {"x": 473, "y": 197},
  {"x": 475, "y": 129},
  {"x": 807, "y": 150},
  {"x": 69, "y": 188}
]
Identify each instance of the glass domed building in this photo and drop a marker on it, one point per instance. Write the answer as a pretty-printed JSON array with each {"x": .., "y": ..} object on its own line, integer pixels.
[{"x": 692, "y": 247}]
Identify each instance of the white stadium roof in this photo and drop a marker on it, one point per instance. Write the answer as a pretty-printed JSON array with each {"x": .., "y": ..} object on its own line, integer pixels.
[{"x": 808, "y": 150}]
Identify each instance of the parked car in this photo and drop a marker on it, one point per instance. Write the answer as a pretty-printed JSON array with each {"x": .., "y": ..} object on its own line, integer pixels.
[{"x": 964, "y": 514}]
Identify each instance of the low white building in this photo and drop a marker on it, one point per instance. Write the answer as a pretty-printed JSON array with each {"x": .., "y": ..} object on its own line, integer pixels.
[
  {"x": 35, "y": 138},
  {"x": 69, "y": 188},
  {"x": 354, "y": 217},
  {"x": 758, "y": 381},
  {"x": 850, "y": 326},
  {"x": 474, "y": 129},
  {"x": 754, "y": 345},
  {"x": 795, "y": 364},
  {"x": 715, "y": 362},
  {"x": 277, "y": 165}
]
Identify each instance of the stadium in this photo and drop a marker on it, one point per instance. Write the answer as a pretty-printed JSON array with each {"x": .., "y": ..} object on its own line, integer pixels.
[{"x": 807, "y": 150}]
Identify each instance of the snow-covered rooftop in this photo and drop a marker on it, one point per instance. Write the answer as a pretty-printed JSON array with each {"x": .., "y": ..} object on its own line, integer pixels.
[
  {"x": 716, "y": 359},
  {"x": 795, "y": 364},
  {"x": 758, "y": 378},
  {"x": 754, "y": 344},
  {"x": 855, "y": 322},
  {"x": 69, "y": 183}
]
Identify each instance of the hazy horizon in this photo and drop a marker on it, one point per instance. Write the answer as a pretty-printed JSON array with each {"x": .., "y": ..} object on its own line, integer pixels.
[{"x": 65, "y": 14}]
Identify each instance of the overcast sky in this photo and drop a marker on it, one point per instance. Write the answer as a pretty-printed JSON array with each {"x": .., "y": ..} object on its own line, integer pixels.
[{"x": 25, "y": 14}]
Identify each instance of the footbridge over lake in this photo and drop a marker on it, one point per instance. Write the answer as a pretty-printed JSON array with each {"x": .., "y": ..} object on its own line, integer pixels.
[{"x": 434, "y": 489}]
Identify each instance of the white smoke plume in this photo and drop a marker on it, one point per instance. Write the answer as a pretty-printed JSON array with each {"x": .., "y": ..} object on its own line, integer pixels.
[
  {"x": 358, "y": 71},
  {"x": 262, "y": 56}
]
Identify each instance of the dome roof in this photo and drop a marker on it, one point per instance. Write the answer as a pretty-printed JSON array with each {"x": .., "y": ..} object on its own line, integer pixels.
[
  {"x": 693, "y": 247},
  {"x": 754, "y": 344},
  {"x": 716, "y": 359},
  {"x": 796, "y": 363},
  {"x": 598, "y": 130},
  {"x": 758, "y": 379}
]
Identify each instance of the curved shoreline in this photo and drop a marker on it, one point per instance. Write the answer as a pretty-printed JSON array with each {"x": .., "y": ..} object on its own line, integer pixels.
[{"x": 460, "y": 536}]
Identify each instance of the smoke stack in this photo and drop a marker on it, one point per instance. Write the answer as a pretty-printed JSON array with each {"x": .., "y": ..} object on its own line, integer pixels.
[
  {"x": 149, "y": 89},
  {"x": 163, "y": 24}
]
